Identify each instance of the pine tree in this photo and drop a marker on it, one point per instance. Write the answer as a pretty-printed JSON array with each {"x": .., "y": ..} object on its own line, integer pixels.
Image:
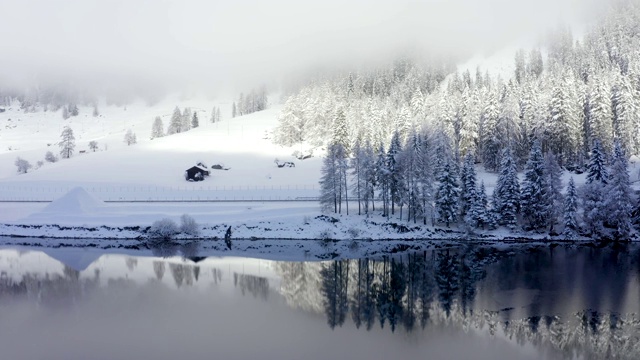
[
  {"x": 507, "y": 192},
  {"x": 67, "y": 143},
  {"x": 65, "y": 113},
  {"x": 594, "y": 191},
  {"x": 477, "y": 215},
  {"x": 520, "y": 69},
  {"x": 234, "y": 111},
  {"x": 625, "y": 115},
  {"x": 175, "y": 126},
  {"x": 157, "y": 129},
  {"x": 186, "y": 120},
  {"x": 340, "y": 131},
  {"x": 596, "y": 169},
  {"x": 468, "y": 180},
  {"x": 570, "y": 214},
  {"x": 382, "y": 179},
  {"x": 412, "y": 176},
  {"x": 194, "y": 120},
  {"x": 490, "y": 144},
  {"x": 394, "y": 169},
  {"x": 362, "y": 163},
  {"x": 601, "y": 115},
  {"x": 447, "y": 196},
  {"x": 330, "y": 187},
  {"x": 553, "y": 175},
  {"x": 536, "y": 65},
  {"x": 130, "y": 138},
  {"x": 620, "y": 197},
  {"x": 563, "y": 130},
  {"x": 535, "y": 199},
  {"x": 426, "y": 179}
]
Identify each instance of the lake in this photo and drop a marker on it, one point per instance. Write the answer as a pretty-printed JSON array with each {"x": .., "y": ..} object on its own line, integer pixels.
[{"x": 473, "y": 302}]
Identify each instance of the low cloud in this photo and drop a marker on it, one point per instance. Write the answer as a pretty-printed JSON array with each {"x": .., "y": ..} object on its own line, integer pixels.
[{"x": 190, "y": 44}]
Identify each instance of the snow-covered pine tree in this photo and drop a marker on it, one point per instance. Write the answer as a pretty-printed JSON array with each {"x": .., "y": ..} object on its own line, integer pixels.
[
  {"x": 426, "y": 180},
  {"x": 186, "y": 119},
  {"x": 213, "y": 115},
  {"x": 564, "y": 135},
  {"x": 394, "y": 169},
  {"x": 477, "y": 216},
  {"x": 175, "y": 126},
  {"x": 553, "y": 174},
  {"x": 369, "y": 174},
  {"x": 619, "y": 197},
  {"x": 194, "y": 120},
  {"x": 241, "y": 108},
  {"x": 67, "y": 143},
  {"x": 382, "y": 179},
  {"x": 468, "y": 179},
  {"x": 490, "y": 145},
  {"x": 343, "y": 169},
  {"x": 507, "y": 192},
  {"x": 130, "y": 138},
  {"x": 234, "y": 110},
  {"x": 536, "y": 65},
  {"x": 593, "y": 191},
  {"x": 469, "y": 122},
  {"x": 625, "y": 114},
  {"x": 330, "y": 181},
  {"x": 341, "y": 131},
  {"x": 520, "y": 71},
  {"x": 412, "y": 169},
  {"x": 358, "y": 186},
  {"x": 366, "y": 176},
  {"x": 570, "y": 214},
  {"x": 157, "y": 129},
  {"x": 447, "y": 196},
  {"x": 596, "y": 169},
  {"x": 535, "y": 200},
  {"x": 600, "y": 114},
  {"x": 291, "y": 124}
]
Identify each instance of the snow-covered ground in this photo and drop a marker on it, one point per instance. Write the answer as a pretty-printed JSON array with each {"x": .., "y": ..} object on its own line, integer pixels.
[{"x": 85, "y": 197}]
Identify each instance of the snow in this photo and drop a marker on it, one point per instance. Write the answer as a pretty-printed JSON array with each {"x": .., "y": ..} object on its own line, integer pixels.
[
  {"x": 76, "y": 202},
  {"x": 89, "y": 191}
]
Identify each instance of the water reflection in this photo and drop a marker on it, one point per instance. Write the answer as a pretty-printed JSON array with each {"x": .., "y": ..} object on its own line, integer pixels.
[
  {"x": 576, "y": 301},
  {"x": 563, "y": 302}
]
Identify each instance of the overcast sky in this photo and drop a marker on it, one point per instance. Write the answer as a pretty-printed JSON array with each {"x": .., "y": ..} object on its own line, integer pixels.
[{"x": 238, "y": 42}]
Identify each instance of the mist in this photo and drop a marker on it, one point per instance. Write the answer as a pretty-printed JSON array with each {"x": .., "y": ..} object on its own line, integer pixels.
[{"x": 189, "y": 45}]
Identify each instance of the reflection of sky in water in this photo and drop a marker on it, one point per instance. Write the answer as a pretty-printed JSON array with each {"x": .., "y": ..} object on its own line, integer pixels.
[{"x": 69, "y": 304}]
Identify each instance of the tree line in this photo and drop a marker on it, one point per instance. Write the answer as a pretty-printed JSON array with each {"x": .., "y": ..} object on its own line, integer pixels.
[
  {"x": 586, "y": 89},
  {"x": 420, "y": 180}
]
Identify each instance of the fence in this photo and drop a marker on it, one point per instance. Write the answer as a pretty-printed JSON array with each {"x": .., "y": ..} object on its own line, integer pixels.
[{"x": 188, "y": 193}]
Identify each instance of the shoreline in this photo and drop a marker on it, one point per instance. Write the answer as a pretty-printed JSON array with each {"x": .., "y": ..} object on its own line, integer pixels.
[{"x": 133, "y": 239}]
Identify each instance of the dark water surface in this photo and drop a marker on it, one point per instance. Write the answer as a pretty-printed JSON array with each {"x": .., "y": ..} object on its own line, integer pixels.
[{"x": 465, "y": 303}]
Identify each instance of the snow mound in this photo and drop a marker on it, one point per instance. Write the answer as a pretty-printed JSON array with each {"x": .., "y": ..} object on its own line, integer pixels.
[{"x": 76, "y": 201}]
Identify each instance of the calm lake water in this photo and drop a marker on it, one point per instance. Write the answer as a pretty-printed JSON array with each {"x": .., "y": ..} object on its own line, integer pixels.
[{"x": 465, "y": 303}]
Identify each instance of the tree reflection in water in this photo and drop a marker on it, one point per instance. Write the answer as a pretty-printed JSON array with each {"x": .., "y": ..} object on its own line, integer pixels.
[
  {"x": 578, "y": 301},
  {"x": 572, "y": 299}
]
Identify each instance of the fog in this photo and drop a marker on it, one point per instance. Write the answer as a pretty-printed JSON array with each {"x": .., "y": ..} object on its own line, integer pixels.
[{"x": 193, "y": 44}]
